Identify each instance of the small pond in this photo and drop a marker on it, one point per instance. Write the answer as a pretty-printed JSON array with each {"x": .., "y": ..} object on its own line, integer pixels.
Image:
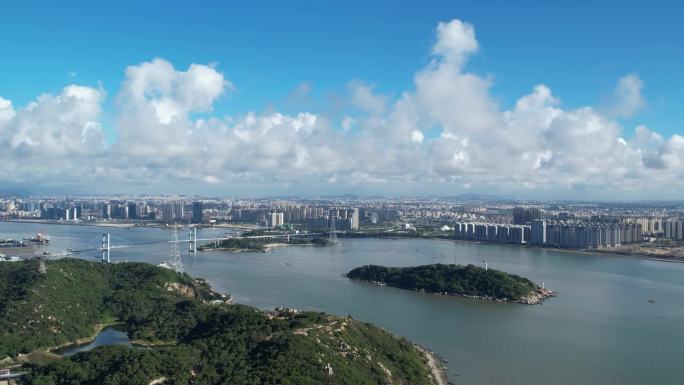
[{"x": 108, "y": 336}]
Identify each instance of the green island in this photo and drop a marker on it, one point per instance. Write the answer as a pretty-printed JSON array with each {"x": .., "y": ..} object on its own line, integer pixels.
[
  {"x": 465, "y": 281},
  {"x": 257, "y": 244},
  {"x": 192, "y": 334}
]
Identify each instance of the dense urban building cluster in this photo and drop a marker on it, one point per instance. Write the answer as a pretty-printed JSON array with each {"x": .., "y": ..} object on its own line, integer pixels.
[
  {"x": 314, "y": 217},
  {"x": 525, "y": 215},
  {"x": 529, "y": 226},
  {"x": 553, "y": 224},
  {"x": 492, "y": 232},
  {"x": 169, "y": 211},
  {"x": 665, "y": 227},
  {"x": 583, "y": 235}
]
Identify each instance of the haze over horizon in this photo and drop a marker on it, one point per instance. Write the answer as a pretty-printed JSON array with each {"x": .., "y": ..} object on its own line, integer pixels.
[{"x": 457, "y": 105}]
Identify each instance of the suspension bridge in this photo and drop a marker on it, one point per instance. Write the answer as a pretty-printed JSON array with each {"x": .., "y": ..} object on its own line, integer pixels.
[{"x": 106, "y": 246}]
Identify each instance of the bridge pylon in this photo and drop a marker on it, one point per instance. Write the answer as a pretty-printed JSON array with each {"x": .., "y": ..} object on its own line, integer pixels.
[
  {"x": 193, "y": 240},
  {"x": 106, "y": 247}
]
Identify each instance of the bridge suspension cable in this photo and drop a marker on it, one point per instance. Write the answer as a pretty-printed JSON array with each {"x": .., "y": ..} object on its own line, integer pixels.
[{"x": 107, "y": 246}]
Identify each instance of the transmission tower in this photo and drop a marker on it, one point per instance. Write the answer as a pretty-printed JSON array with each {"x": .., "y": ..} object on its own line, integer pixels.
[{"x": 175, "y": 262}]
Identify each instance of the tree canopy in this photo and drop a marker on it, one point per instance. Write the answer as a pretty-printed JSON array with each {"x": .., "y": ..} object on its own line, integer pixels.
[
  {"x": 191, "y": 337},
  {"x": 467, "y": 280}
]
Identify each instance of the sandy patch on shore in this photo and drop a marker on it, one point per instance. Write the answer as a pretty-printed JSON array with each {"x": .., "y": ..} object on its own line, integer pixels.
[{"x": 438, "y": 374}]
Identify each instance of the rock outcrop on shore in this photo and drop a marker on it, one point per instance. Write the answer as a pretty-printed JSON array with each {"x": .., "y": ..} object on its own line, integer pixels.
[{"x": 537, "y": 297}]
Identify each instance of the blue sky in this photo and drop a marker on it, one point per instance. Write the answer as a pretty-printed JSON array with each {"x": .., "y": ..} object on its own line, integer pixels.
[{"x": 267, "y": 49}]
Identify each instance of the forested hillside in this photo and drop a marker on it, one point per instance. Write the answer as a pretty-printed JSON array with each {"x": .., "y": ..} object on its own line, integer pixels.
[{"x": 196, "y": 339}]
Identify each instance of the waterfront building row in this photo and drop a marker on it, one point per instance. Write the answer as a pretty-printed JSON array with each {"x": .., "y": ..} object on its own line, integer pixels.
[
  {"x": 649, "y": 224},
  {"x": 492, "y": 232},
  {"x": 673, "y": 229},
  {"x": 584, "y": 235},
  {"x": 553, "y": 234}
]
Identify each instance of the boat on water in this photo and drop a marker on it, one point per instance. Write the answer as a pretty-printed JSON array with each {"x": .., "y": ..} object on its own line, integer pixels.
[
  {"x": 38, "y": 238},
  {"x": 7, "y": 243}
]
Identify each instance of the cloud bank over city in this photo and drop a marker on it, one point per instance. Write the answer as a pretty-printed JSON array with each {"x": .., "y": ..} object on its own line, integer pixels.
[{"x": 448, "y": 134}]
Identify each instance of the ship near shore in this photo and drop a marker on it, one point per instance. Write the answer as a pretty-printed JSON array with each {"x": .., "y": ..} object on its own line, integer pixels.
[{"x": 36, "y": 240}]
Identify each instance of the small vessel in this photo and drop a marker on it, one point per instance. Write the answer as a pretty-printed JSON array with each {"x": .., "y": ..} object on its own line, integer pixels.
[
  {"x": 11, "y": 243},
  {"x": 38, "y": 238},
  {"x": 651, "y": 300}
]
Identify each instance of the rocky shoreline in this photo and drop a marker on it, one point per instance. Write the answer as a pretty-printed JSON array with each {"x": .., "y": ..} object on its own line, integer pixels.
[
  {"x": 538, "y": 297},
  {"x": 535, "y": 298},
  {"x": 438, "y": 371}
]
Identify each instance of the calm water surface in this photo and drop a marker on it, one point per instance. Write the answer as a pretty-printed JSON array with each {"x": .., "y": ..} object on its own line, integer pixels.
[
  {"x": 601, "y": 329},
  {"x": 108, "y": 336}
]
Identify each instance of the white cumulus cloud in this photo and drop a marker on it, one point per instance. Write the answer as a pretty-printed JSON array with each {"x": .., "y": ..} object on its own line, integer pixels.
[
  {"x": 627, "y": 98},
  {"x": 447, "y": 132}
]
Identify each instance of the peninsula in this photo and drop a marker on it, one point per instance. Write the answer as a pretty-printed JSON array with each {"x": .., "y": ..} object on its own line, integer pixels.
[
  {"x": 193, "y": 335},
  {"x": 465, "y": 281}
]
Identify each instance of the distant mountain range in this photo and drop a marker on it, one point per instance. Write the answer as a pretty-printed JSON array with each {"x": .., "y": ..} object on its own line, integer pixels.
[{"x": 14, "y": 192}]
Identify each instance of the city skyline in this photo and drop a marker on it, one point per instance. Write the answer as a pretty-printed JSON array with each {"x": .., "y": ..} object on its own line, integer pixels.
[{"x": 199, "y": 123}]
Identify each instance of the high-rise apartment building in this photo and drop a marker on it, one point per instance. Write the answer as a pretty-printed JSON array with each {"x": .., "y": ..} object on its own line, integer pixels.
[
  {"x": 172, "y": 212},
  {"x": 524, "y": 216},
  {"x": 538, "y": 232},
  {"x": 197, "y": 212},
  {"x": 276, "y": 219},
  {"x": 133, "y": 210},
  {"x": 106, "y": 211}
]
